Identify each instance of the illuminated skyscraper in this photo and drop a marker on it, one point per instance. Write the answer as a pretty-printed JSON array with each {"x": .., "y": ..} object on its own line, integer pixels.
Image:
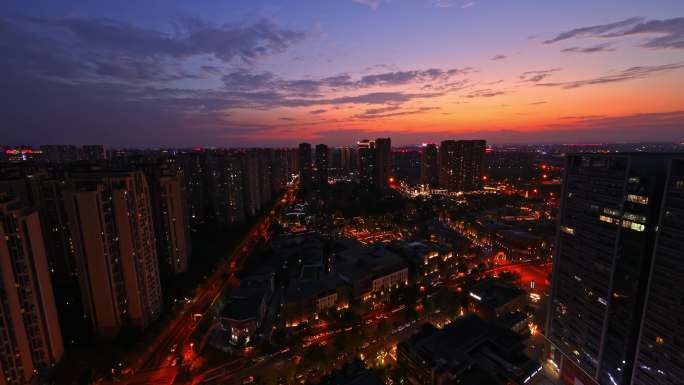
[
  {"x": 367, "y": 163},
  {"x": 429, "y": 168},
  {"x": 460, "y": 164},
  {"x": 265, "y": 174},
  {"x": 660, "y": 355},
  {"x": 196, "y": 169},
  {"x": 305, "y": 167},
  {"x": 322, "y": 164},
  {"x": 383, "y": 161},
  {"x": 611, "y": 215},
  {"x": 251, "y": 182}
]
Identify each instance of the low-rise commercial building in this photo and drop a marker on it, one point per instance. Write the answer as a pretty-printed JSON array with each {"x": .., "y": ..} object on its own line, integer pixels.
[
  {"x": 492, "y": 299},
  {"x": 371, "y": 270},
  {"x": 243, "y": 315}
]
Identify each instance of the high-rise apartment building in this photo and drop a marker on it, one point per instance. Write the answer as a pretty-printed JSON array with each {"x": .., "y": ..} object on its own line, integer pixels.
[
  {"x": 171, "y": 214},
  {"x": 251, "y": 183},
  {"x": 174, "y": 245},
  {"x": 280, "y": 173},
  {"x": 347, "y": 160},
  {"x": 30, "y": 336},
  {"x": 460, "y": 164},
  {"x": 367, "y": 162},
  {"x": 195, "y": 168},
  {"x": 94, "y": 152},
  {"x": 305, "y": 167},
  {"x": 233, "y": 181},
  {"x": 322, "y": 164},
  {"x": 265, "y": 175},
  {"x": 224, "y": 178},
  {"x": 60, "y": 153},
  {"x": 612, "y": 224},
  {"x": 48, "y": 201},
  {"x": 383, "y": 161},
  {"x": 41, "y": 190},
  {"x": 37, "y": 189},
  {"x": 111, "y": 225},
  {"x": 429, "y": 167},
  {"x": 342, "y": 161},
  {"x": 406, "y": 165},
  {"x": 292, "y": 156}
]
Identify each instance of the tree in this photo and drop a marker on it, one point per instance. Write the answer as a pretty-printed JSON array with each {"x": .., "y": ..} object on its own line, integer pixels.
[
  {"x": 278, "y": 337},
  {"x": 346, "y": 342},
  {"x": 349, "y": 317},
  {"x": 509, "y": 276},
  {"x": 314, "y": 358},
  {"x": 383, "y": 327},
  {"x": 412, "y": 313}
]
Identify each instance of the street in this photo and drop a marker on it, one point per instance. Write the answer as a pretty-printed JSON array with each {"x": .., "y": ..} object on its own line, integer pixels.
[{"x": 175, "y": 337}]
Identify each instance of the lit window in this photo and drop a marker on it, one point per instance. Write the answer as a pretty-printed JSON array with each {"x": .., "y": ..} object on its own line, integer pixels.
[
  {"x": 659, "y": 340},
  {"x": 635, "y": 217},
  {"x": 633, "y": 225},
  {"x": 567, "y": 230},
  {"x": 637, "y": 199},
  {"x": 608, "y": 219},
  {"x": 611, "y": 211}
]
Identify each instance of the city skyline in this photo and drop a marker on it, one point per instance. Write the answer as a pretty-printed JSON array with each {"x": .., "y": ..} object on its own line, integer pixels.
[
  {"x": 547, "y": 264},
  {"x": 230, "y": 74}
]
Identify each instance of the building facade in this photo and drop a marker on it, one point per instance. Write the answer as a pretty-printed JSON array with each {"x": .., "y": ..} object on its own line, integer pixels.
[
  {"x": 383, "y": 161},
  {"x": 305, "y": 166},
  {"x": 461, "y": 165},
  {"x": 30, "y": 336},
  {"x": 366, "y": 162},
  {"x": 429, "y": 168},
  {"x": 322, "y": 164},
  {"x": 390, "y": 280},
  {"x": 660, "y": 355},
  {"x": 111, "y": 225},
  {"x": 94, "y": 152},
  {"x": 173, "y": 233},
  {"x": 609, "y": 220}
]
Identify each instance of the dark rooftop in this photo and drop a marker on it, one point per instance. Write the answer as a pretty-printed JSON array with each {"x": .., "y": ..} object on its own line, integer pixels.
[
  {"x": 473, "y": 351},
  {"x": 494, "y": 293},
  {"x": 244, "y": 303}
]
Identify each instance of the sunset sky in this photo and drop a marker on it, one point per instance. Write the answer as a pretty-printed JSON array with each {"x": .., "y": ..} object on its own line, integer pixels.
[{"x": 270, "y": 73}]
